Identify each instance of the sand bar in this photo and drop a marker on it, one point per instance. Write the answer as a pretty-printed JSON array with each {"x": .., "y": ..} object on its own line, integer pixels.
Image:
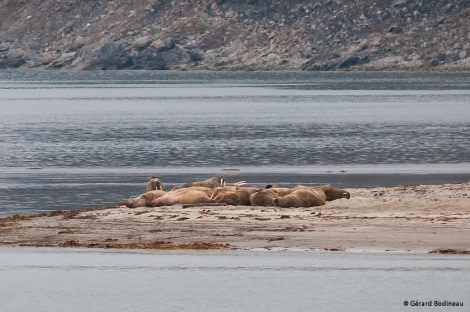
[{"x": 422, "y": 218}]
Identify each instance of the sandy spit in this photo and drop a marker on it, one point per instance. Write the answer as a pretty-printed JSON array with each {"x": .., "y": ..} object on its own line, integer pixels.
[{"x": 422, "y": 218}]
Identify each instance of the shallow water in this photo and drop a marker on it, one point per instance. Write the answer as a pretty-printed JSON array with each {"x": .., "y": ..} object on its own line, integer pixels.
[
  {"x": 50, "y": 279},
  {"x": 73, "y": 139}
]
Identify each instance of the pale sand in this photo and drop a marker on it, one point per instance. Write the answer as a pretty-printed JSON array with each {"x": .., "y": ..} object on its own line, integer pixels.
[{"x": 424, "y": 218}]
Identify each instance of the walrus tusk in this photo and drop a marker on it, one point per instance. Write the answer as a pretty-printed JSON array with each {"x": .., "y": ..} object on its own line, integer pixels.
[{"x": 239, "y": 183}]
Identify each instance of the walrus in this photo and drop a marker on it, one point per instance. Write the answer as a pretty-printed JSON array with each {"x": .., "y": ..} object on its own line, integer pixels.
[
  {"x": 225, "y": 195},
  {"x": 144, "y": 200},
  {"x": 228, "y": 194},
  {"x": 302, "y": 197},
  {"x": 307, "y": 196},
  {"x": 264, "y": 197},
  {"x": 154, "y": 184},
  {"x": 333, "y": 193},
  {"x": 182, "y": 196},
  {"x": 211, "y": 183}
]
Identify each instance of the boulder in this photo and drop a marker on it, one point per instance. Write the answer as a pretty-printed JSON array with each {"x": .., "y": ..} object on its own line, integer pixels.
[
  {"x": 153, "y": 58},
  {"x": 13, "y": 58},
  {"x": 107, "y": 56},
  {"x": 148, "y": 59},
  {"x": 79, "y": 42},
  {"x": 349, "y": 61},
  {"x": 141, "y": 43},
  {"x": 462, "y": 55},
  {"x": 163, "y": 45}
]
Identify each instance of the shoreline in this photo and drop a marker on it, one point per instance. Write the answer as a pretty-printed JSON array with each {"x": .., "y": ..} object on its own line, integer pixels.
[{"x": 418, "y": 218}]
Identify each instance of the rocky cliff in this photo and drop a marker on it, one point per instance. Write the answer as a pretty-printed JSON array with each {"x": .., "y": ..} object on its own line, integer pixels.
[{"x": 236, "y": 35}]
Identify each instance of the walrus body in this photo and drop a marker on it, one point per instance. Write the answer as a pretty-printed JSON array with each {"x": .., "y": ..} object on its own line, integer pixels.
[
  {"x": 144, "y": 199},
  {"x": 282, "y": 191},
  {"x": 264, "y": 197},
  {"x": 204, "y": 189},
  {"x": 225, "y": 195},
  {"x": 302, "y": 197},
  {"x": 182, "y": 196},
  {"x": 233, "y": 195}
]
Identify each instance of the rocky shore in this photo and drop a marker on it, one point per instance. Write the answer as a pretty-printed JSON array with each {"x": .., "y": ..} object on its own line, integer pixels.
[
  {"x": 423, "y": 218},
  {"x": 236, "y": 35}
]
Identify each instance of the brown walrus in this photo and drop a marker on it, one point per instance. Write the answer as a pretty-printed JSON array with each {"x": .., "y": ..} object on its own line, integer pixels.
[
  {"x": 333, "y": 193},
  {"x": 211, "y": 183},
  {"x": 264, "y": 197},
  {"x": 154, "y": 184},
  {"x": 233, "y": 194},
  {"x": 302, "y": 197},
  {"x": 224, "y": 195},
  {"x": 143, "y": 200},
  {"x": 182, "y": 196},
  {"x": 298, "y": 196}
]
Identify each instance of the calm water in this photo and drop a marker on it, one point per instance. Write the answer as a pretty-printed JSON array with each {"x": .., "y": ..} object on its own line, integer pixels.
[
  {"x": 72, "y": 139},
  {"x": 107, "y": 280}
]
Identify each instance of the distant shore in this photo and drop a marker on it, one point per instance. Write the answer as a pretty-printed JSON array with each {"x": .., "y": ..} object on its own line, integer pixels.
[{"x": 422, "y": 218}]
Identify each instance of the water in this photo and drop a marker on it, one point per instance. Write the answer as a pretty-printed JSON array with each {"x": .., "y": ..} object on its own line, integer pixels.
[
  {"x": 74, "y": 139},
  {"x": 112, "y": 280}
]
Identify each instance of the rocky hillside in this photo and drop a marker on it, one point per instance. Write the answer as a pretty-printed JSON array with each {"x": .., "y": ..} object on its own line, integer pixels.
[{"x": 236, "y": 34}]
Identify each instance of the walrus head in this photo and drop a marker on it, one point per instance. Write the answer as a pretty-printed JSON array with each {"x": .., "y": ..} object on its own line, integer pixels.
[
  {"x": 219, "y": 181},
  {"x": 154, "y": 184},
  {"x": 333, "y": 193}
]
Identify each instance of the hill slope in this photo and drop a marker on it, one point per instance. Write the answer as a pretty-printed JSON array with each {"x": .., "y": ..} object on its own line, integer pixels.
[{"x": 242, "y": 34}]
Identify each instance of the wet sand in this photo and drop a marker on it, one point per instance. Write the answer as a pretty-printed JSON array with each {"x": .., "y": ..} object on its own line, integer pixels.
[{"x": 422, "y": 218}]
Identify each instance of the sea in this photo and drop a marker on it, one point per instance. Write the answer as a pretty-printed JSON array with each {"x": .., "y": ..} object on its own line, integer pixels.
[
  {"x": 75, "y": 280},
  {"x": 77, "y": 139}
]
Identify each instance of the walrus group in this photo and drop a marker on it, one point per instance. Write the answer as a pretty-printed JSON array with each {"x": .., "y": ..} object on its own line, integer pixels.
[{"x": 215, "y": 191}]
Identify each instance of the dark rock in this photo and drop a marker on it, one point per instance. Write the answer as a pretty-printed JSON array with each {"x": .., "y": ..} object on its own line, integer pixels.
[
  {"x": 433, "y": 63},
  {"x": 175, "y": 57},
  {"x": 441, "y": 57},
  {"x": 108, "y": 56},
  {"x": 349, "y": 61},
  {"x": 319, "y": 65},
  {"x": 13, "y": 58},
  {"x": 148, "y": 59},
  {"x": 196, "y": 55},
  {"x": 395, "y": 29}
]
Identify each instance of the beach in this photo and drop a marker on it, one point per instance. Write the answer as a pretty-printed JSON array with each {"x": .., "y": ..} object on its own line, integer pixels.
[{"x": 419, "y": 218}]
